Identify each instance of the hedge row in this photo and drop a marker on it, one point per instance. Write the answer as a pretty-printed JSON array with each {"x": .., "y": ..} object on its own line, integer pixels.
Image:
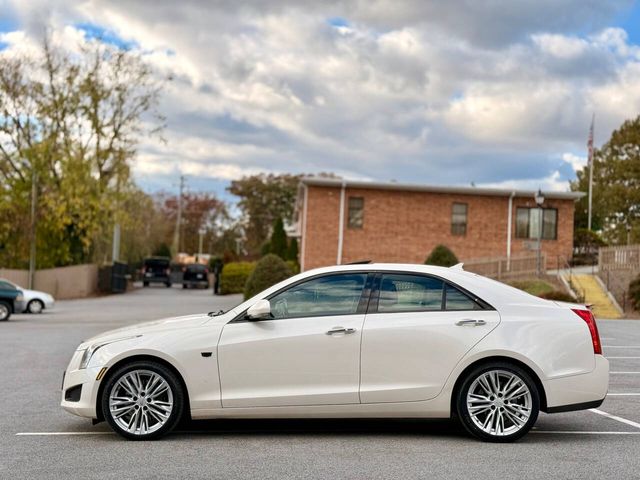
[{"x": 234, "y": 276}]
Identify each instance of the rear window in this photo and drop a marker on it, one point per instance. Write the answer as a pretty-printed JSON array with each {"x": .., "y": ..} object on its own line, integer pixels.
[
  {"x": 6, "y": 285},
  {"x": 196, "y": 268},
  {"x": 156, "y": 262}
]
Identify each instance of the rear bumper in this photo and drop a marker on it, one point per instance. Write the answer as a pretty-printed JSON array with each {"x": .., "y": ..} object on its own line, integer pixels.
[
  {"x": 579, "y": 392},
  {"x": 156, "y": 279}
]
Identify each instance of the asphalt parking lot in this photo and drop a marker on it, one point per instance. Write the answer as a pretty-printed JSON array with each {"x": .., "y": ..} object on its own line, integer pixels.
[{"x": 39, "y": 440}]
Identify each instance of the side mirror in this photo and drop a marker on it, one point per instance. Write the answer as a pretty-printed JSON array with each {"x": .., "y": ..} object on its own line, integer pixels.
[{"x": 259, "y": 310}]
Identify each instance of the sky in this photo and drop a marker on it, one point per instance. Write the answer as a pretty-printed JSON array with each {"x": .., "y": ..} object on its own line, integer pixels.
[{"x": 494, "y": 93}]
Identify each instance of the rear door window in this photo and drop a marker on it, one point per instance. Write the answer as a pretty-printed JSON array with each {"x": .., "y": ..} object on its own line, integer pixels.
[{"x": 409, "y": 293}]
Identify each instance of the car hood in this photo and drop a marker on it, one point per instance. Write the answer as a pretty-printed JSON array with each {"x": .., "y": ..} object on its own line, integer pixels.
[
  {"x": 34, "y": 293},
  {"x": 173, "y": 323}
]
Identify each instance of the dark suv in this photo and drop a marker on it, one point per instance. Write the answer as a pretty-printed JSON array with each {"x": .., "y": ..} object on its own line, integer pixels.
[
  {"x": 195, "y": 275},
  {"x": 156, "y": 270},
  {"x": 11, "y": 300}
]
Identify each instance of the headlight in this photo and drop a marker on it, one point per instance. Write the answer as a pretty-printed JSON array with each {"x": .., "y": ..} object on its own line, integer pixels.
[{"x": 88, "y": 353}]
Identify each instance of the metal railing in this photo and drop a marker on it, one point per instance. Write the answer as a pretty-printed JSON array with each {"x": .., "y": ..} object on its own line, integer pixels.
[{"x": 563, "y": 265}]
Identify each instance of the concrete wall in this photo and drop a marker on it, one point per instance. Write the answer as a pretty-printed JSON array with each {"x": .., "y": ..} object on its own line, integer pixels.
[
  {"x": 404, "y": 226},
  {"x": 77, "y": 281}
]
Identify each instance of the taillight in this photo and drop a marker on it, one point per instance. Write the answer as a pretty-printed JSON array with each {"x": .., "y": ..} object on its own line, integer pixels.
[
  {"x": 168, "y": 271},
  {"x": 144, "y": 269},
  {"x": 588, "y": 317}
]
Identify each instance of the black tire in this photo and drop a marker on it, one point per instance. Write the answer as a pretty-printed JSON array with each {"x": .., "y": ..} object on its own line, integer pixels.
[
  {"x": 5, "y": 311},
  {"x": 168, "y": 284},
  {"x": 463, "y": 411},
  {"x": 184, "y": 285},
  {"x": 35, "y": 306},
  {"x": 176, "y": 390},
  {"x": 145, "y": 284}
]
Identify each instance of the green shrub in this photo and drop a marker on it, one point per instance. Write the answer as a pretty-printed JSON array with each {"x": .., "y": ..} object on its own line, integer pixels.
[
  {"x": 557, "y": 295},
  {"x": 293, "y": 266},
  {"x": 234, "y": 276},
  {"x": 442, "y": 257},
  {"x": 536, "y": 287},
  {"x": 634, "y": 293},
  {"x": 292, "y": 250},
  {"x": 269, "y": 270}
]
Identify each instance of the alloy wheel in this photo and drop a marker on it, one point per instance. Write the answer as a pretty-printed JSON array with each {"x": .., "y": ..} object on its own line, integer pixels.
[
  {"x": 499, "y": 402},
  {"x": 141, "y": 402},
  {"x": 35, "y": 306}
]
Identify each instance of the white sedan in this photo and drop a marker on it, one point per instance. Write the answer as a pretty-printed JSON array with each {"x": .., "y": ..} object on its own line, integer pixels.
[
  {"x": 379, "y": 340},
  {"x": 35, "y": 300}
]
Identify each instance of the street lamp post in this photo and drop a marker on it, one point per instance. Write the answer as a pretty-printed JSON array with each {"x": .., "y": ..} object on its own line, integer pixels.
[
  {"x": 201, "y": 232},
  {"x": 628, "y": 233},
  {"x": 539, "y": 198}
]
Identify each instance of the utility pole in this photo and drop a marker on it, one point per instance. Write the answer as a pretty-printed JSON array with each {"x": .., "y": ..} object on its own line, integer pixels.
[
  {"x": 32, "y": 249},
  {"x": 176, "y": 235},
  {"x": 115, "y": 244},
  {"x": 201, "y": 233},
  {"x": 590, "y": 162}
]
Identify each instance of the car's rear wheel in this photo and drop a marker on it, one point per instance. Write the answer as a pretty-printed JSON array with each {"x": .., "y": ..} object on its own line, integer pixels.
[
  {"x": 35, "y": 306},
  {"x": 145, "y": 284},
  {"x": 143, "y": 400},
  {"x": 5, "y": 311},
  {"x": 498, "y": 402}
]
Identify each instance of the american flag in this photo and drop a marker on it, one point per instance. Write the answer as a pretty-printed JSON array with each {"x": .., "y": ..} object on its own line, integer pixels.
[{"x": 590, "y": 141}]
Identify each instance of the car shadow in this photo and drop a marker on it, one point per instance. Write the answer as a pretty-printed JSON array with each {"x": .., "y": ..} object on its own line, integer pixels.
[{"x": 269, "y": 427}]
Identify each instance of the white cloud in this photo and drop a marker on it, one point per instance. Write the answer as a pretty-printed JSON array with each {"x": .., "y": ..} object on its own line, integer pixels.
[
  {"x": 419, "y": 90},
  {"x": 577, "y": 162}
]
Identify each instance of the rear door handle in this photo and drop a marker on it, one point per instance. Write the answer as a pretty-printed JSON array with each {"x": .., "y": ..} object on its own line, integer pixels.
[
  {"x": 336, "y": 330},
  {"x": 470, "y": 322}
]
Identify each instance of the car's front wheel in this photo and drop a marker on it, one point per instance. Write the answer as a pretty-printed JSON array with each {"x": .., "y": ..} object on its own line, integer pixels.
[
  {"x": 35, "y": 306},
  {"x": 498, "y": 402},
  {"x": 143, "y": 400}
]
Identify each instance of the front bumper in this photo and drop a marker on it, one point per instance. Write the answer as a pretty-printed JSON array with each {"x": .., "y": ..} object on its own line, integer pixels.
[
  {"x": 579, "y": 392},
  {"x": 19, "y": 306},
  {"x": 49, "y": 303},
  {"x": 85, "y": 406}
]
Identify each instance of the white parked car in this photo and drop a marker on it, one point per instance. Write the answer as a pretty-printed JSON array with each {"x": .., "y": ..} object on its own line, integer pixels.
[
  {"x": 35, "y": 300},
  {"x": 379, "y": 340}
]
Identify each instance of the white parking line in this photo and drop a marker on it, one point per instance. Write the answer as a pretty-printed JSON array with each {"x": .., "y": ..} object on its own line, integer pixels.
[
  {"x": 576, "y": 432},
  {"x": 47, "y": 434},
  {"x": 623, "y": 394},
  {"x": 615, "y": 417},
  {"x": 558, "y": 432},
  {"x": 624, "y": 373},
  {"x": 620, "y": 357}
]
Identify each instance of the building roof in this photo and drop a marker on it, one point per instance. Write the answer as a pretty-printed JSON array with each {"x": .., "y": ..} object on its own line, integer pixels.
[{"x": 412, "y": 187}]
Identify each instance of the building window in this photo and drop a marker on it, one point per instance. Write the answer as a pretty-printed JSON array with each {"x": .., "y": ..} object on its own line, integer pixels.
[
  {"x": 356, "y": 212},
  {"x": 459, "y": 219},
  {"x": 528, "y": 223}
]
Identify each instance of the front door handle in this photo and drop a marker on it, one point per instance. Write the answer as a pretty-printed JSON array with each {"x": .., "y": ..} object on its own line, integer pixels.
[
  {"x": 470, "y": 322},
  {"x": 336, "y": 330}
]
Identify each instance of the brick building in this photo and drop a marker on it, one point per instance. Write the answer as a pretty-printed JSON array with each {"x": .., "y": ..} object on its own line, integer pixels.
[{"x": 345, "y": 221}]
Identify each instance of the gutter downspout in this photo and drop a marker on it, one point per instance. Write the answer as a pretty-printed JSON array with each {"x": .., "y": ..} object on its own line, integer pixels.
[
  {"x": 509, "y": 222},
  {"x": 303, "y": 230},
  {"x": 341, "y": 224}
]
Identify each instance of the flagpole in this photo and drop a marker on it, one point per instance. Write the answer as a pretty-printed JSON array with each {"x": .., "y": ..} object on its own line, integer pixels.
[{"x": 590, "y": 160}]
